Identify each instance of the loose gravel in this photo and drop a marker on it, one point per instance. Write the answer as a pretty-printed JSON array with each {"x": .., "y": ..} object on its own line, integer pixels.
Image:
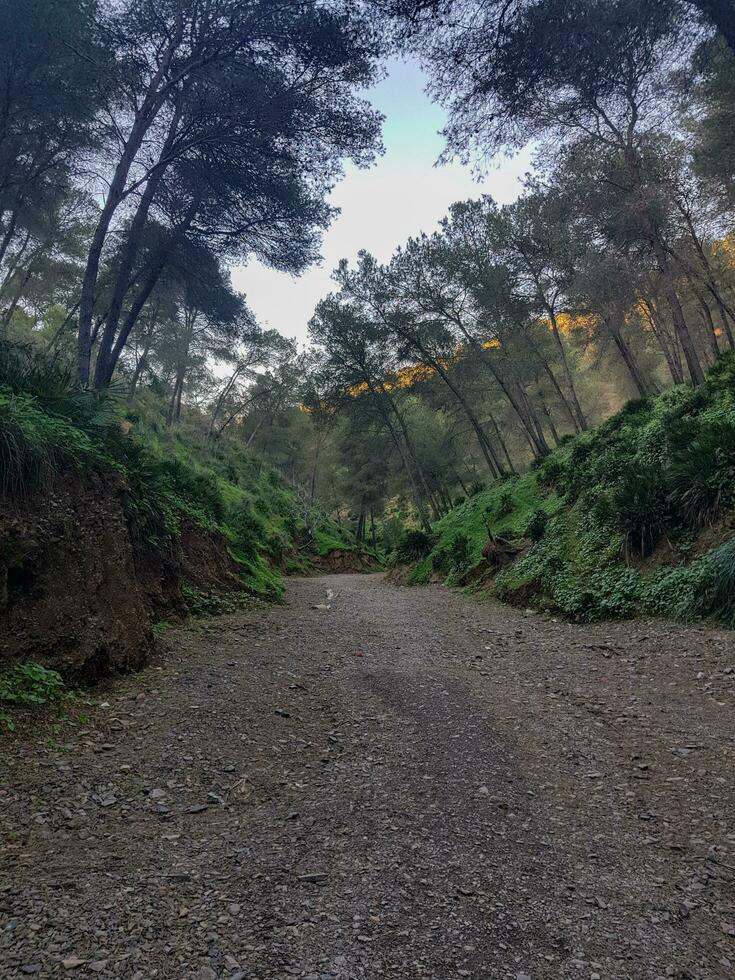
[{"x": 373, "y": 781}]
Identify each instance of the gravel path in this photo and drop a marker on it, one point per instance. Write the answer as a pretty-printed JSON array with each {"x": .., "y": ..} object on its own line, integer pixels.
[{"x": 371, "y": 781}]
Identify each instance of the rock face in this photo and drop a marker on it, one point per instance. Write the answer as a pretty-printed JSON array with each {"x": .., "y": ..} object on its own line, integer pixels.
[{"x": 78, "y": 594}]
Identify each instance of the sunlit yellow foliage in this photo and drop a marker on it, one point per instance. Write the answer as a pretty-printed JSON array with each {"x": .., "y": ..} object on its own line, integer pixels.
[
  {"x": 356, "y": 390},
  {"x": 725, "y": 247},
  {"x": 324, "y": 407},
  {"x": 409, "y": 376},
  {"x": 567, "y": 322},
  {"x": 406, "y": 377},
  {"x": 413, "y": 374}
]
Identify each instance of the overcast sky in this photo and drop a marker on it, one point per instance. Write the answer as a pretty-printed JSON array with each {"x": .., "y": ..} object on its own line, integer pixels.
[{"x": 403, "y": 194}]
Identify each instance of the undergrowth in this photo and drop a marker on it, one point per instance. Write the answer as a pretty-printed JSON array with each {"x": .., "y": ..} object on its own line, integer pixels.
[
  {"x": 609, "y": 522},
  {"x": 28, "y": 684},
  {"x": 50, "y": 426}
]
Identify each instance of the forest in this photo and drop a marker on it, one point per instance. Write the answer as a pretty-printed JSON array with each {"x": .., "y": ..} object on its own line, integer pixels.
[
  {"x": 553, "y": 376},
  {"x": 404, "y": 648}
]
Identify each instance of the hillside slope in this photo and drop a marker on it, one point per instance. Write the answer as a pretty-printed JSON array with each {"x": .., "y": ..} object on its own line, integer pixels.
[
  {"x": 110, "y": 525},
  {"x": 634, "y": 517}
]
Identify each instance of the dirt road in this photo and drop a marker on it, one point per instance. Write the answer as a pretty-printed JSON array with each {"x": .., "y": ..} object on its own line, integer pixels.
[{"x": 383, "y": 782}]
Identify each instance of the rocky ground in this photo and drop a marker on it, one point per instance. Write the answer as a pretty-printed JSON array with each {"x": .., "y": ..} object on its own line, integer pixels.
[{"x": 371, "y": 781}]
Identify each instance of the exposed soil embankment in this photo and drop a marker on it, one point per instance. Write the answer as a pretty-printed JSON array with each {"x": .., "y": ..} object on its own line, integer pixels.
[
  {"x": 79, "y": 593},
  {"x": 342, "y": 560}
]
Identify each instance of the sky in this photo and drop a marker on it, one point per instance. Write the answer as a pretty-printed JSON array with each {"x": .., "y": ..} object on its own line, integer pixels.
[{"x": 403, "y": 194}]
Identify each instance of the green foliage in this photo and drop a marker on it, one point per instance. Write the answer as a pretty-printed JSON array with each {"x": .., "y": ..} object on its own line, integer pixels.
[
  {"x": 504, "y": 505},
  {"x": 331, "y": 537},
  {"x": 705, "y": 589},
  {"x": 657, "y": 472},
  {"x": 505, "y": 508},
  {"x": 453, "y": 559},
  {"x": 702, "y": 476},
  {"x": 35, "y": 446},
  {"x": 634, "y": 506},
  {"x": 573, "y": 569},
  {"x": 49, "y": 426},
  {"x": 49, "y": 382},
  {"x": 660, "y": 468},
  {"x": 413, "y": 545},
  {"x": 30, "y": 684},
  {"x": 537, "y": 525}
]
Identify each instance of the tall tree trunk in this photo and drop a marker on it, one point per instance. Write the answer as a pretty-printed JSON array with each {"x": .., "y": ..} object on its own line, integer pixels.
[
  {"x": 461, "y": 482},
  {"x": 710, "y": 279},
  {"x": 312, "y": 482},
  {"x": 515, "y": 403},
  {"x": 627, "y": 356},
  {"x": 488, "y": 452},
  {"x": 673, "y": 361},
  {"x": 533, "y": 420},
  {"x": 144, "y": 119},
  {"x": 9, "y": 231},
  {"x": 253, "y": 434},
  {"x": 379, "y": 394},
  {"x": 549, "y": 420},
  {"x": 501, "y": 441},
  {"x": 146, "y": 288},
  {"x": 137, "y": 374},
  {"x": 128, "y": 256},
  {"x": 677, "y": 314},
  {"x": 653, "y": 234},
  {"x": 221, "y": 399},
  {"x": 91, "y": 271},
  {"x": 411, "y": 452},
  {"x": 580, "y": 422},
  {"x": 709, "y": 326}
]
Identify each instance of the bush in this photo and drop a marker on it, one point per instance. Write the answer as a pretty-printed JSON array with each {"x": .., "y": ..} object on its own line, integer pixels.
[
  {"x": 35, "y": 446},
  {"x": 537, "y": 525},
  {"x": 504, "y": 505},
  {"x": 30, "y": 683},
  {"x": 703, "y": 590},
  {"x": 460, "y": 553},
  {"x": 636, "y": 507},
  {"x": 716, "y": 597},
  {"x": 703, "y": 474},
  {"x": 413, "y": 545}
]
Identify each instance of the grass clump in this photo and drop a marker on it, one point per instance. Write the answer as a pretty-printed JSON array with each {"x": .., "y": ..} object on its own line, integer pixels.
[{"x": 35, "y": 446}]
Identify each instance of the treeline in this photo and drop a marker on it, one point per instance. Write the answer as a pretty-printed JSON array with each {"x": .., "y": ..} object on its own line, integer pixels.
[
  {"x": 146, "y": 147},
  {"x": 611, "y": 277}
]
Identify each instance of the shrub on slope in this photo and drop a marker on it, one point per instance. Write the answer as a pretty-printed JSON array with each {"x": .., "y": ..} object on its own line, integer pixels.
[{"x": 613, "y": 519}]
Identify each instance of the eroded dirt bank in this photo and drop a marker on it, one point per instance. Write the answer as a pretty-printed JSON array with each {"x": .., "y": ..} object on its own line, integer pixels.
[{"x": 405, "y": 784}]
